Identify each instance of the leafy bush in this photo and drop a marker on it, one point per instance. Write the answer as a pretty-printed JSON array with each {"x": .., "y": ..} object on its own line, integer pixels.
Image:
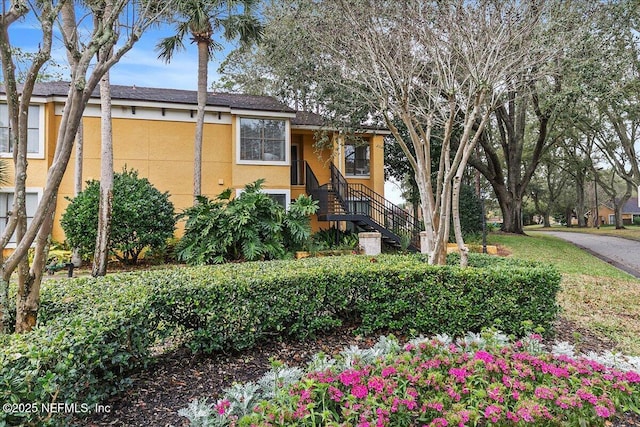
[
  {"x": 249, "y": 227},
  {"x": 478, "y": 380},
  {"x": 234, "y": 306},
  {"x": 334, "y": 238},
  {"x": 93, "y": 332},
  {"x": 142, "y": 217}
]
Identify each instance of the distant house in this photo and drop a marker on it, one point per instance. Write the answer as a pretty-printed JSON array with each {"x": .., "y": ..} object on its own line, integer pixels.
[
  {"x": 630, "y": 210},
  {"x": 245, "y": 138}
]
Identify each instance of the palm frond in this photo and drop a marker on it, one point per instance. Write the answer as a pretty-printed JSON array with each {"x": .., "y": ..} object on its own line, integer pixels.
[{"x": 168, "y": 46}]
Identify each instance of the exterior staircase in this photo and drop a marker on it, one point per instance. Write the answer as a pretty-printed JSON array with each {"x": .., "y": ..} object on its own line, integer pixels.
[{"x": 368, "y": 210}]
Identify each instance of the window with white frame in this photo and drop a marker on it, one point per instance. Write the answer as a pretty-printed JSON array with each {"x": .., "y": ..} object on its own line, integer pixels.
[
  {"x": 32, "y": 198},
  {"x": 263, "y": 140},
  {"x": 357, "y": 159},
  {"x": 282, "y": 197},
  {"x": 35, "y": 135}
]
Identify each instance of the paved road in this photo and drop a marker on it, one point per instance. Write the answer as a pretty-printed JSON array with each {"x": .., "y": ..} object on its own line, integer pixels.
[{"x": 621, "y": 253}]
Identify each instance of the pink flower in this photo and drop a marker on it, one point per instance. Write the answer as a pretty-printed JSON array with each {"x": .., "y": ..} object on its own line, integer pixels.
[
  {"x": 222, "y": 406},
  {"x": 305, "y": 395},
  {"x": 376, "y": 383},
  {"x": 484, "y": 356},
  {"x": 492, "y": 412},
  {"x": 632, "y": 377},
  {"x": 459, "y": 373},
  {"x": 335, "y": 394},
  {"x": 350, "y": 377},
  {"x": 439, "y": 422},
  {"x": 525, "y": 414},
  {"x": 435, "y": 405},
  {"x": 359, "y": 391},
  {"x": 388, "y": 371},
  {"x": 494, "y": 393},
  {"x": 544, "y": 393},
  {"x": 585, "y": 395},
  {"x": 603, "y": 411}
]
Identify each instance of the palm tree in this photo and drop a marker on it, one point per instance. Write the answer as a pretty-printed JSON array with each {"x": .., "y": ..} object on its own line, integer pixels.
[{"x": 201, "y": 19}]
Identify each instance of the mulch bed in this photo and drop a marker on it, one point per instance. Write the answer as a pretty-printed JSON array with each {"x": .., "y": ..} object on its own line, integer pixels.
[{"x": 179, "y": 376}]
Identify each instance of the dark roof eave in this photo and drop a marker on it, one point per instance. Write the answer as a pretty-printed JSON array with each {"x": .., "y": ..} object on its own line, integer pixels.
[{"x": 172, "y": 96}]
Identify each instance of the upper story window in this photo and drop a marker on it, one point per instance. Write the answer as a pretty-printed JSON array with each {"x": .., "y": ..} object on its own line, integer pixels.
[
  {"x": 263, "y": 141},
  {"x": 35, "y": 134},
  {"x": 357, "y": 159}
]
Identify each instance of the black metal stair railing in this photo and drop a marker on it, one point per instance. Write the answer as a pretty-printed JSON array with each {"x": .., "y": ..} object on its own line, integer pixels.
[
  {"x": 341, "y": 201},
  {"x": 360, "y": 200}
]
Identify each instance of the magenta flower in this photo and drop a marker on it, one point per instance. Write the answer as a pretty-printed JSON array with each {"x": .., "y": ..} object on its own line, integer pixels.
[
  {"x": 460, "y": 374},
  {"x": 222, "y": 406},
  {"x": 603, "y": 411},
  {"x": 435, "y": 405},
  {"x": 376, "y": 383},
  {"x": 494, "y": 394},
  {"x": 493, "y": 412},
  {"x": 360, "y": 391},
  {"x": 335, "y": 394},
  {"x": 388, "y": 371},
  {"x": 484, "y": 356},
  {"x": 525, "y": 414},
  {"x": 632, "y": 377},
  {"x": 350, "y": 377},
  {"x": 544, "y": 393},
  {"x": 439, "y": 422}
]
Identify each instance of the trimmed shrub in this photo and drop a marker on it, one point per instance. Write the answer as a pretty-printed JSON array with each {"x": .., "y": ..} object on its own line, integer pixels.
[
  {"x": 142, "y": 217},
  {"x": 93, "y": 332}
]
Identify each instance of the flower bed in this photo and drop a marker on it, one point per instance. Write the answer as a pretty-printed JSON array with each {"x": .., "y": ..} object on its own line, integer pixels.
[
  {"x": 92, "y": 333},
  {"x": 435, "y": 382}
]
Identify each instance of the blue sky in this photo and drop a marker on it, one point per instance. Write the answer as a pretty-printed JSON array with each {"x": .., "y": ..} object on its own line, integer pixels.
[{"x": 140, "y": 66}]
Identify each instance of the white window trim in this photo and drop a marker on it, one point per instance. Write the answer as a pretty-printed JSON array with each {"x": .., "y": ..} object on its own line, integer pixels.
[
  {"x": 284, "y": 191},
  {"x": 348, "y": 175},
  {"x": 37, "y": 190},
  {"x": 287, "y": 144},
  {"x": 41, "y": 133}
]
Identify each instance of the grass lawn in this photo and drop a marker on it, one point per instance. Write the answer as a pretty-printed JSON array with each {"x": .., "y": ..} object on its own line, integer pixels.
[{"x": 595, "y": 295}]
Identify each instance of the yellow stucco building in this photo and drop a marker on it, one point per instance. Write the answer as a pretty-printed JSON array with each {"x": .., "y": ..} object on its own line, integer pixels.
[{"x": 245, "y": 138}]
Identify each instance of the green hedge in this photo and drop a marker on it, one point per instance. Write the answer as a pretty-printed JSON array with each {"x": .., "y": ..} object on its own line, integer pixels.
[{"x": 93, "y": 332}]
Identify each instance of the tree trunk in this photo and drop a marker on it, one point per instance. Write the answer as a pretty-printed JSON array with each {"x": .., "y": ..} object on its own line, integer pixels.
[
  {"x": 619, "y": 206},
  {"x": 457, "y": 229},
  {"x": 568, "y": 213},
  {"x": 511, "y": 215},
  {"x": 203, "y": 60},
  {"x": 28, "y": 298},
  {"x": 70, "y": 34},
  {"x": 546, "y": 219},
  {"x": 101, "y": 254},
  {"x": 580, "y": 209},
  {"x": 76, "y": 259}
]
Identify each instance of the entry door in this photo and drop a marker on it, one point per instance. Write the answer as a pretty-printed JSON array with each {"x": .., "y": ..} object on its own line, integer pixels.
[{"x": 297, "y": 173}]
